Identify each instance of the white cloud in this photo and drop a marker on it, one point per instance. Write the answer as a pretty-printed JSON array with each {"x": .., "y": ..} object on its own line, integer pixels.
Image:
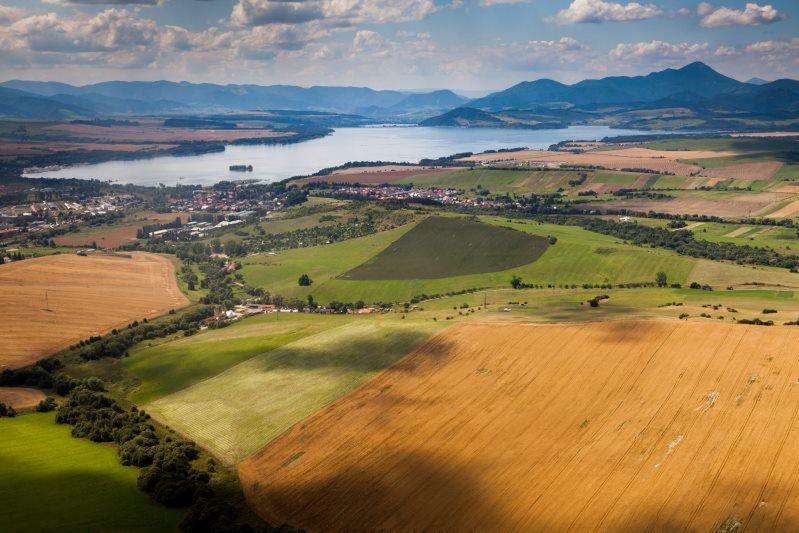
[
  {"x": 334, "y": 12},
  {"x": 489, "y": 3},
  {"x": 752, "y": 15},
  {"x": 263, "y": 12},
  {"x": 596, "y": 11},
  {"x": 653, "y": 50},
  {"x": 11, "y": 14},
  {"x": 104, "y": 2}
]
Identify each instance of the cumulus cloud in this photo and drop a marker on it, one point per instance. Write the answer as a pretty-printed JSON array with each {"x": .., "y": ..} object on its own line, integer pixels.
[
  {"x": 596, "y": 11},
  {"x": 489, "y": 3},
  {"x": 11, "y": 14},
  {"x": 335, "y": 12},
  {"x": 264, "y": 12},
  {"x": 104, "y": 2},
  {"x": 751, "y": 15},
  {"x": 654, "y": 50}
]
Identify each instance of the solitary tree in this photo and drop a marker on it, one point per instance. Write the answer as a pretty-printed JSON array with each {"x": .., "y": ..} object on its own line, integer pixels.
[
  {"x": 662, "y": 279},
  {"x": 305, "y": 280},
  {"x": 516, "y": 282}
]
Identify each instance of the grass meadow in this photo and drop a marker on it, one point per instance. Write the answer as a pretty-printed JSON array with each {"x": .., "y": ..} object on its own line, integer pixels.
[
  {"x": 578, "y": 257},
  {"x": 50, "y": 481},
  {"x": 240, "y": 410},
  {"x": 169, "y": 367}
]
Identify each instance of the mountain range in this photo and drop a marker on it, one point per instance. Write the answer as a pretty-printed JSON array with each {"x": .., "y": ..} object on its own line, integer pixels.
[
  {"x": 128, "y": 98},
  {"x": 695, "y": 96}
]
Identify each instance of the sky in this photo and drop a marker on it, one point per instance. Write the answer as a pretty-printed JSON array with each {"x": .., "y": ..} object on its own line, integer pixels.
[{"x": 471, "y": 46}]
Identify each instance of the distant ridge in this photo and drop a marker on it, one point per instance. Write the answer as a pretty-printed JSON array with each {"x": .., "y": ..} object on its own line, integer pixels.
[
  {"x": 131, "y": 97},
  {"x": 695, "y": 78}
]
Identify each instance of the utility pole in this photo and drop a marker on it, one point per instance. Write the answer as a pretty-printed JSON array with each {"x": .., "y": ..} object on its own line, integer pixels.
[{"x": 46, "y": 301}]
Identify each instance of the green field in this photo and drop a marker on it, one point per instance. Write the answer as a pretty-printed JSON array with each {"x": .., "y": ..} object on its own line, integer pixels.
[
  {"x": 442, "y": 247},
  {"x": 777, "y": 237},
  {"x": 578, "y": 257},
  {"x": 237, "y": 412},
  {"x": 172, "y": 366},
  {"x": 50, "y": 481}
]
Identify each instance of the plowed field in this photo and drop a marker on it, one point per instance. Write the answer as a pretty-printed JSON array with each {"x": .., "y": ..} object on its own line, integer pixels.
[{"x": 618, "y": 426}]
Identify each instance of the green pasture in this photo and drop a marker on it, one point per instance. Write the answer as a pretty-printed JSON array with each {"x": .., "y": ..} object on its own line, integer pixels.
[
  {"x": 169, "y": 367},
  {"x": 239, "y": 411},
  {"x": 50, "y": 481},
  {"x": 578, "y": 257}
]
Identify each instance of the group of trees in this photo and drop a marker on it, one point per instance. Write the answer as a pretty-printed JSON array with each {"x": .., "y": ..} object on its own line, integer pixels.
[
  {"x": 167, "y": 466},
  {"x": 119, "y": 341},
  {"x": 682, "y": 242},
  {"x": 7, "y": 411}
]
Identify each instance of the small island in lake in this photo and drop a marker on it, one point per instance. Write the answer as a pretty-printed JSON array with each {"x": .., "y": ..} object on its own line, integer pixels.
[{"x": 240, "y": 168}]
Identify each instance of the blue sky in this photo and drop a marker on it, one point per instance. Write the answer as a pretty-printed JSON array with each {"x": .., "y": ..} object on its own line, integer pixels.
[{"x": 470, "y": 45}]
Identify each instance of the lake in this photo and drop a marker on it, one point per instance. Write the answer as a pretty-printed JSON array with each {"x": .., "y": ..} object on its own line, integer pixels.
[{"x": 277, "y": 162}]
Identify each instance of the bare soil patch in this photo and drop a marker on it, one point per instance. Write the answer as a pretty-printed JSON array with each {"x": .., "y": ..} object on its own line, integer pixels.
[
  {"x": 20, "y": 397},
  {"x": 50, "y": 302},
  {"x": 618, "y": 426}
]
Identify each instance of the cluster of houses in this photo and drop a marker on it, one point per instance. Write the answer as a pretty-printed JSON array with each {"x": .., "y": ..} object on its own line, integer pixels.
[
  {"x": 393, "y": 192},
  {"x": 253, "y": 309},
  {"x": 212, "y": 200},
  {"x": 198, "y": 230},
  {"x": 43, "y": 216}
]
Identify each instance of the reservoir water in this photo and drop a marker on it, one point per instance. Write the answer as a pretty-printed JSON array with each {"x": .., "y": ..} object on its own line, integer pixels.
[{"x": 277, "y": 162}]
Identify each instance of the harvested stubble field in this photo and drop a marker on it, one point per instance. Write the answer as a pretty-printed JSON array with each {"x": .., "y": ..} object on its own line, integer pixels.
[
  {"x": 745, "y": 171},
  {"x": 48, "y": 303},
  {"x": 640, "y": 158},
  {"x": 615, "y": 426},
  {"x": 703, "y": 203},
  {"x": 20, "y": 397}
]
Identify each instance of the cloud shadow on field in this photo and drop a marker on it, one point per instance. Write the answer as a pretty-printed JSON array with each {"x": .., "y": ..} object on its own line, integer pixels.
[
  {"x": 360, "y": 354},
  {"x": 406, "y": 490}
]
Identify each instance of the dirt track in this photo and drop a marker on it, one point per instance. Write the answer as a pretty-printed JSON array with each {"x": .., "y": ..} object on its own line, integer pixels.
[
  {"x": 48, "y": 303},
  {"x": 618, "y": 426}
]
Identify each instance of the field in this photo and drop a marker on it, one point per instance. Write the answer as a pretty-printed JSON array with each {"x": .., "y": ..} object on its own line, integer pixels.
[
  {"x": 619, "y": 159},
  {"x": 117, "y": 234},
  {"x": 20, "y": 397},
  {"x": 14, "y": 149},
  {"x": 51, "y": 481},
  {"x": 578, "y": 257},
  {"x": 716, "y": 203},
  {"x": 154, "y": 132},
  {"x": 621, "y": 426},
  {"x": 167, "y": 368},
  {"x": 48, "y": 303},
  {"x": 238, "y": 411},
  {"x": 441, "y": 247}
]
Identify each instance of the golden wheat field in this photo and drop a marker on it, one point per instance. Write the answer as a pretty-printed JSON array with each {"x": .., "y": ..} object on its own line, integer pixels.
[
  {"x": 50, "y": 302},
  {"x": 616, "y": 426}
]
